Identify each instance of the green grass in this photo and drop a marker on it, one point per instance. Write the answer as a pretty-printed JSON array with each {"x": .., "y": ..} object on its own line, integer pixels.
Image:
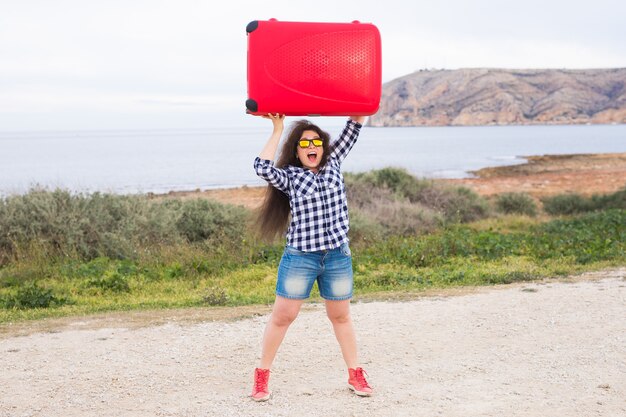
[
  {"x": 471, "y": 254},
  {"x": 198, "y": 253},
  {"x": 253, "y": 285}
]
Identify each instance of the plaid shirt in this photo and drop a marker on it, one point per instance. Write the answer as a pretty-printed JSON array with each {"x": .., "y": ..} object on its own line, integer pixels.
[{"x": 319, "y": 211}]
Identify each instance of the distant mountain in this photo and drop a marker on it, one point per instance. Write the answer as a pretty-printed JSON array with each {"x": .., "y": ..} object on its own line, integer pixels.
[{"x": 502, "y": 97}]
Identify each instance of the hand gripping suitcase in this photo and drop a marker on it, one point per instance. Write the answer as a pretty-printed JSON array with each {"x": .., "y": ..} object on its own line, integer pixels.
[{"x": 313, "y": 69}]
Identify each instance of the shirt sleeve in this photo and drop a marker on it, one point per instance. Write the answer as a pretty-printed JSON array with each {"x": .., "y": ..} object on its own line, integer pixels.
[
  {"x": 342, "y": 146},
  {"x": 275, "y": 176}
]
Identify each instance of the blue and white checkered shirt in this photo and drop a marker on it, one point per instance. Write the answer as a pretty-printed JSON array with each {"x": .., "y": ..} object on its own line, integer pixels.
[{"x": 319, "y": 211}]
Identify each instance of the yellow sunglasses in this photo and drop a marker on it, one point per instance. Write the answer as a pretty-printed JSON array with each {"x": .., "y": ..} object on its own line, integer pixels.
[{"x": 305, "y": 143}]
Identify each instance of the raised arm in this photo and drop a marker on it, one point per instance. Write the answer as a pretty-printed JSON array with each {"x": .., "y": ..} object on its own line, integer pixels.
[
  {"x": 359, "y": 119},
  {"x": 264, "y": 165},
  {"x": 269, "y": 151},
  {"x": 348, "y": 137}
]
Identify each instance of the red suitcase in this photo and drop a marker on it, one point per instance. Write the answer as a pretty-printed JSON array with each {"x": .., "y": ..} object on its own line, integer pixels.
[{"x": 313, "y": 69}]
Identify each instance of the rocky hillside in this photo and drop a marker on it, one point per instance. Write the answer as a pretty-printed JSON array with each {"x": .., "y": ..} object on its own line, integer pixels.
[{"x": 500, "y": 97}]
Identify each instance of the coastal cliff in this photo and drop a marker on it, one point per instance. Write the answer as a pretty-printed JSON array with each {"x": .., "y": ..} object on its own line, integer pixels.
[{"x": 485, "y": 96}]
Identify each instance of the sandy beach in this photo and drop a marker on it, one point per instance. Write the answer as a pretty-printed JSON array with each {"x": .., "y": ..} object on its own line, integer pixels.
[
  {"x": 546, "y": 175},
  {"x": 548, "y": 348}
]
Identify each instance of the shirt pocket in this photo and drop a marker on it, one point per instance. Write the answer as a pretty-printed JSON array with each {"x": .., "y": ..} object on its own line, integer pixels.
[
  {"x": 304, "y": 186},
  {"x": 333, "y": 178}
]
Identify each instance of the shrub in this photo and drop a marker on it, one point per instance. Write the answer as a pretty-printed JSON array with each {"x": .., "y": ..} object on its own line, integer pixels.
[
  {"x": 564, "y": 204},
  {"x": 364, "y": 227},
  {"x": 201, "y": 219},
  {"x": 403, "y": 204},
  {"x": 8, "y": 281},
  {"x": 455, "y": 203},
  {"x": 86, "y": 226},
  {"x": 398, "y": 181},
  {"x": 573, "y": 203},
  {"x": 105, "y": 225},
  {"x": 377, "y": 212},
  {"x": 459, "y": 204},
  {"x": 31, "y": 295},
  {"x": 516, "y": 203},
  {"x": 215, "y": 296},
  {"x": 94, "y": 268},
  {"x": 615, "y": 200},
  {"x": 114, "y": 282}
]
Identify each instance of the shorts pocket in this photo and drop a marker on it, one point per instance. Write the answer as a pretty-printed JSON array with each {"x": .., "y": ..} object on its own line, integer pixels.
[
  {"x": 290, "y": 250},
  {"x": 345, "y": 249}
]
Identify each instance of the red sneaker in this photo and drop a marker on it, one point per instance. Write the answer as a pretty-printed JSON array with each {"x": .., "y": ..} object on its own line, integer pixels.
[
  {"x": 358, "y": 383},
  {"x": 259, "y": 390}
]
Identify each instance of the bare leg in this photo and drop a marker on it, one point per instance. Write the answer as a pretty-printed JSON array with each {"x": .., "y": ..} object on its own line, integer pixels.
[
  {"x": 339, "y": 314},
  {"x": 284, "y": 312}
]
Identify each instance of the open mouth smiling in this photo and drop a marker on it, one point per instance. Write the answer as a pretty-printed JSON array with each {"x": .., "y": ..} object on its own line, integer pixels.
[{"x": 312, "y": 156}]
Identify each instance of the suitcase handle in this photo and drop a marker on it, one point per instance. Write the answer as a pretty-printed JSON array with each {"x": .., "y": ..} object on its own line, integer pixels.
[{"x": 252, "y": 26}]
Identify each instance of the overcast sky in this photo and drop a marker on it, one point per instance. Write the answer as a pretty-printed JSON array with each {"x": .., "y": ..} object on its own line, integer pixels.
[{"x": 115, "y": 64}]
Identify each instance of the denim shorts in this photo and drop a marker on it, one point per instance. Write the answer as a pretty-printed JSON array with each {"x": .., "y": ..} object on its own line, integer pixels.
[{"x": 332, "y": 269}]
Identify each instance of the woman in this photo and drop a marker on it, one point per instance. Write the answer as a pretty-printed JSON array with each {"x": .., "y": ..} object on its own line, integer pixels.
[{"x": 306, "y": 192}]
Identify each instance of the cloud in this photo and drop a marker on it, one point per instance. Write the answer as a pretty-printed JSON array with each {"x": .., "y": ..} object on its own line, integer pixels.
[
  {"x": 51, "y": 99},
  {"x": 144, "y": 55},
  {"x": 505, "y": 52}
]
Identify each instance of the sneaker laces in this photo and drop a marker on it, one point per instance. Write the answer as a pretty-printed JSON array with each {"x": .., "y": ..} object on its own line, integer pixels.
[
  {"x": 360, "y": 378},
  {"x": 260, "y": 382}
]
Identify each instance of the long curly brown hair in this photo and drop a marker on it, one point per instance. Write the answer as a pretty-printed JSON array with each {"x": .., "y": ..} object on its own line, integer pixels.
[{"x": 274, "y": 213}]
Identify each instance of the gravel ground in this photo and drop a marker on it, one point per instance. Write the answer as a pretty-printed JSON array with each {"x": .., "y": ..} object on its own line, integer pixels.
[{"x": 550, "y": 348}]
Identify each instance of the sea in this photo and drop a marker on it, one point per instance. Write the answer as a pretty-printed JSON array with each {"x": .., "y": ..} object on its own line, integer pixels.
[{"x": 163, "y": 160}]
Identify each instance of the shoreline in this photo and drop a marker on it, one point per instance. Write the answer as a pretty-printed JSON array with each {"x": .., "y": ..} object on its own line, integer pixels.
[{"x": 539, "y": 176}]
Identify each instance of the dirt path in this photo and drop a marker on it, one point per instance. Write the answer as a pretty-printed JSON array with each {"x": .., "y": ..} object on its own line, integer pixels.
[{"x": 536, "y": 349}]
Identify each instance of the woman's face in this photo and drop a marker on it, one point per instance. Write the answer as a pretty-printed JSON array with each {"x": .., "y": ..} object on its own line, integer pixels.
[{"x": 311, "y": 156}]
